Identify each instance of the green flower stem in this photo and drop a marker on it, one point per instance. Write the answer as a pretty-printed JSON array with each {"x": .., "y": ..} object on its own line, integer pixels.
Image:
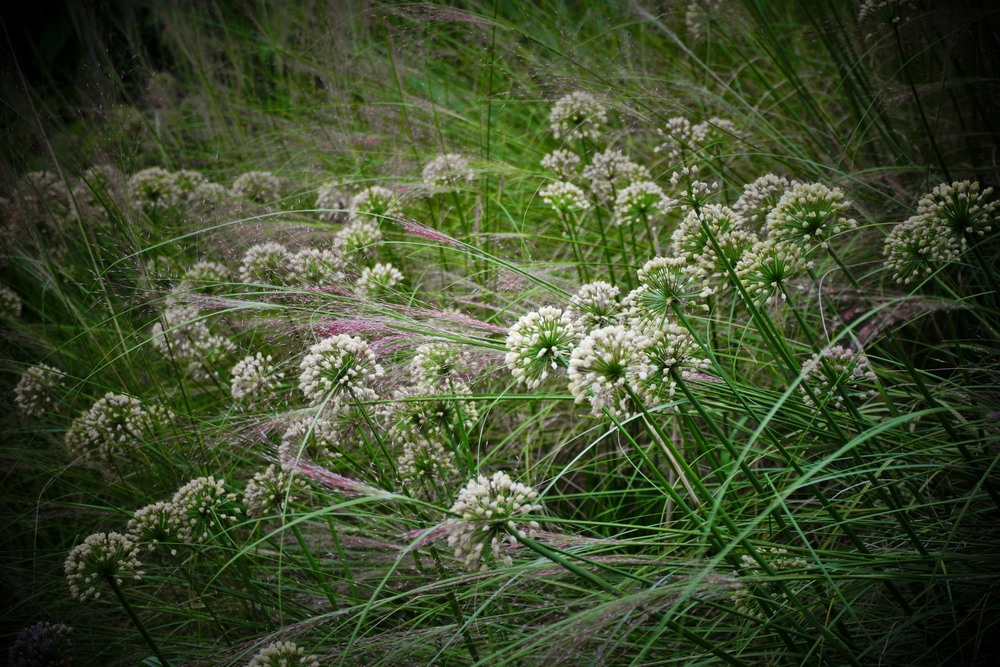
[{"x": 135, "y": 620}]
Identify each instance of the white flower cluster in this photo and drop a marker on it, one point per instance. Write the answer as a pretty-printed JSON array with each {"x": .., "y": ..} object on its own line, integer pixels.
[
  {"x": 607, "y": 367},
  {"x": 309, "y": 438},
  {"x": 10, "y": 303},
  {"x": 254, "y": 379},
  {"x": 683, "y": 139},
  {"x": 374, "y": 203},
  {"x": 260, "y": 187},
  {"x": 156, "y": 189},
  {"x": 641, "y": 202},
  {"x": 153, "y": 524},
  {"x": 379, "y": 279},
  {"x": 540, "y": 342},
  {"x": 760, "y": 197},
  {"x": 809, "y": 213},
  {"x": 317, "y": 267},
  {"x": 837, "y": 373},
  {"x": 692, "y": 241},
  {"x": 358, "y": 236},
  {"x": 201, "y": 508},
  {"x": 447, "y": 173},
  {"x": 283, "y": 654},
  {"x": 204, "y": 276},
  {"x": 489, "y": 509},
  {"x": 424, "y": 410},
  {"x": 768, "y": 268},
  {"x": 578, "y": 115},
  {"x": 270, "y": 490},
  {"x": 266, "y": 264},
  {"x": 332, "y": 203},
  {"x": 611, "y": 171},
  {"x": 564, "y": 197},
  {"x": 113, "y": 426},
  {"x": 596, "y": 305},
  {"x": 698, "y": 17},
  {"x": 693, "y": 192},
  {"x": 36, "y": 392},
  {"x": 562, "y": 162},
  {"x": 665, "y": 283},
  {"x": 425, "y": 462},
  {"x": 439, "y": 364},
  {"x": 339, "y": 371},
  {"x": 671, "y": 353},
  {"x": 184, "y": 337},
  {"x": 101, "y": 556}
]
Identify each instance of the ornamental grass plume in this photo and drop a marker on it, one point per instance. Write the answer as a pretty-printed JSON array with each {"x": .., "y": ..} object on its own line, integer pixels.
[
  {"x": 260, "y": 187},
  {"x": 339, "y": 371},
  {"x": 283, "y": 654},
  {"x": 202, "y": 508},
  {"x": 447, "y": 173},
  {"x": 102, "y": 557},
  {"x": 255, "y": 380},
  {"x": 596, "y": 305},
  {"x": 114, "y": 428},
  {"x": 607, "y": 369},
  {"x": 539, "y": 343},
  {"x": 488, "y": 512},
  {"x": 37, "y": 392},
  {"x": 266, "y": 264},
  {"x": 42, "y": 645},
  {"x": 270, "y": 490},
  {"x": 578, "y": 115},
  {"x": 837, "y": 374},
  {"x": 808, "y": 214}
]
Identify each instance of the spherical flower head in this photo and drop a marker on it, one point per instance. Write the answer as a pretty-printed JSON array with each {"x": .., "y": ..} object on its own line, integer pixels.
[
  {"x": 37, "y": 391},
  {"x": 283, "y": 654},
  {"x": 202, "y": 508},
  {"x": 917, "y": 247},
  {"x": 101, "y": 557},
  {"x": 447, "y": 173},
  {"x": 760, "y": 197},
  {"x": 206, "y": 277},
  {"x": 374, "y": 203},
  {"x": 488, "y": 511},
  {"x": 680, "y": 138},
  {"x": 183, "y": 336},
  {"x": 42, "y": 645},
  {"x": 673, "y": 355},
  {"x": 596, "y": 305},
  {"x": 809, "y": 213},
  {"x": 156, "y": 189},
  {"x": 714, "y": 133},
  {"x": 837, "y": 373},
  {"x": 665, "y": 283},
  {"x": 539, "y": 343},
  {"x": 564, "y": 198},
  {"x": 357, "y": 237},
  {"x": 310, "y": 438},
  {"x": 768, "y": 268},
  {"x": 691, "y": 192},
  {"x": 10, "y": 303},
  {"x": 339, "y": 371},
  {"x": 693, "y": 242},
  {"x": 642, "y": 202},
  {"x": 332, "y": 203},
  {"x": 425, "y": 464},
  {"x": 578, "y": 115},
  {"x": 266, "y": 264},
  {"x": 260, "y": 187},
  {"x": 315, "y": 267},
  {"x": 153, "y": 524},
  {"x": 610, "y": 171},
  {"x": 114, "y": 427},
  {"x": 425, "y": 410},
  {"x": 440, "y": 364},
  {"x": 255, "y": 379},
  {"x": 607, "y": 368},
  {"x": 379, "y": 280},
  {"x": 562, "y": 162},
  {"x": 207, "y": 196},
  {"x": 962, "y": 208},
  {"x": 270, "y": 490}
]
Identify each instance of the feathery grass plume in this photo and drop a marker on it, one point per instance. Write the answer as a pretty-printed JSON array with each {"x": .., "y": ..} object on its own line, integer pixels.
[
  {"x": 424, "y": 464},
  {"x": 578, "y": 115},
  {"x": 201, "y": 509},
  {"x": 36, "y": 393},
  {"x": 611, "y": 171},
  {"x": 255, "y": 380},
  {"x": 447, "y": 173},
  {"x": 283, "y": 654},
  {"x": 185, "y": 338},
  {"x": 100, "y": 557},
  {"x": 690, "y": 241},
  {"x": 607, "y": 367},
  {"x": 153, "y": 524},
  {"x": 751, "y": 575},
  {"x": 564, "y": 197},
  {"x": 885, "y": 11},
  {"x": 315, "y": 267},
  {"x": 269, "y": 491},
  {"x": 768, "y": 268},
  {"x": 563, "y": 163},
  {"x": 665, "y": 283},
  {"x": 809, "y": 213},
  {"x": 332, "y": 203},
  {"x": 310, "y": 438},
  {"x": 488, "y": 512},
  {"x": 430, "y": 411},
  {"x": 374, "y": 203},
  {"x": 379, "y": 280},
  {"x": 10, "y": 303},
  {"x": 338, "y": 371},
  {"x": 917, "y": 247},
  {"x": 760, "y": 197},
  {"x": 440, "y": 364},
  {"x": 595, "y": 305},
  {"x": 205, "y": 277},
  {"x": 670, "y": 351},
  {"x": 641, "y": 202},
  {"x": 539, "y": 342},
  {"x": 260, "y": 187},
  {"x": 358, "y": 237},
  {"x": 113, "y": 428},
  {"x": 43, "y": 644},
  {"x": 852, "y": 377},
  {"x": 266, "y": 264}
]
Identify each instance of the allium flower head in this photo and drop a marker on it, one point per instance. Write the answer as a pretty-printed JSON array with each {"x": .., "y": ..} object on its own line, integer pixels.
[
  {"x": 809, "y": 213},
  {"x": 425, "y": 410},
  {"x": 374, "y": 203},
  {"x": 760, "y": 197},
  {"x": 540, "y": 342},
  {"x": 962, "y": 208},
  {"x": 578, "y": 115},
  {"x": 358, "y": 236},
  {"x": 680, "y": 139},
  {"x": 102, "y": 556},
  {"x": 607, "y": 367},
  {"x": 691, "y": 192},
  {"x": 270, "y": 489},
  {"x": 36, "y": 392},
  {"x": 691, "y": 242},
  {"x": 488, "y": 510},
  {"x": 665, "y": 283},
  {"x": 564, "y": 197},
  {"x": 885, "y": 11},
  {"x": 379, "y": 280},
  {"x": 183, "y": 336},
  {"x": 447, "y": 173},
  {"x": 266, "y": 264},
  {"x": 153, "y": 524},
  {"x": 339, "y": 371},
  {"x": 699, "y": 16},
  {"x": 202, "y": 508},
  {"x": 332, "y": 203},
  {"x": 425, "y": 463},
  {"x": 314, "y": 267},
  {"x": 113, "y": 427},
  {"x": 917, "y": 247},
  {"x": 207, "y": 196},
  {"x": 283, "y": 654},
  {"x": 641, "y": 202},
  {"x": 439, "y": 364},
  {"x": 255, "y": 379},
  {"x": 156, "y": 189},
  {"x": 768, "y": 267},
  {"x": 562, "y": 162},
  {"x": 837, "y": 372},
  {"x": 595, "y": 305},
  {"x": 42, "y": 645},
  {"x": 205, "y": 276},
  {"x": 611, "y": 171},
  {"x": 260, "y": 187},
  {"x": 672, "y": 353},
  {"x": 310, "y": 438},
  {"x": 10, "y": 303}
]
